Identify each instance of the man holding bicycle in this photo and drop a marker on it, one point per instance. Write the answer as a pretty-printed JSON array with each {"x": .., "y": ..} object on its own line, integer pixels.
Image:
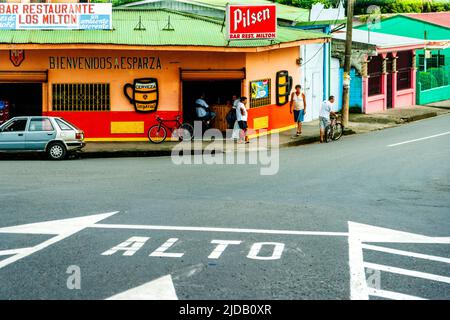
[{"x": 324, "y": 116}]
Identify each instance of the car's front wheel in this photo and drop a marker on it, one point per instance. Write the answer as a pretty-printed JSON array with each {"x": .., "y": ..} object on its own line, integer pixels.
[{"x": 56, "y": 151}]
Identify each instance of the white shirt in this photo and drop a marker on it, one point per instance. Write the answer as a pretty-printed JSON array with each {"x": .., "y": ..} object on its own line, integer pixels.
[
  {"x": 325, "y": 110},
  {"x": 235, "y": 103},
  {"x": 200, "y": 111},
  {"x": 298, "y": 101},
  {"x": 241, "y": 116}
]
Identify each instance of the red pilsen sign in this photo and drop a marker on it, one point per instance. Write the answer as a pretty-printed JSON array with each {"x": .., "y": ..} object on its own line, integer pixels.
[{"x": 251, "y": 22}]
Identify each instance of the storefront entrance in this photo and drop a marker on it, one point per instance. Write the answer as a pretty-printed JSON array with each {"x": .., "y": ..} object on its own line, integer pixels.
[
  {"x": 218, "y": 95},
  {"x": 23, "y": 99}
]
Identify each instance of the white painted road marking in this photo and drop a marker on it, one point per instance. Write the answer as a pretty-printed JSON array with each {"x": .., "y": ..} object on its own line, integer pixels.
[
  {"x": 208, "y": 229},
  {"x": 391, "y": 295},
  {"x": 360, "y": 234},
  {"x": 420, "y": 139},
  {"x": 221, "y": 246},
  {"x": 159, "y": 289},
  {"x": 406, "y": 272},
  {"x": 161, "y": 251},
  {"x": 405, "y": 253},
  {"x": 61, "y": 228}
]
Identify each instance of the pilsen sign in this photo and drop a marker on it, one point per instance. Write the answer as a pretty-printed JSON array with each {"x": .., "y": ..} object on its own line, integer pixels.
[
  {"x": 246, "y": 22},
  {"x": 78, "y": 16}
]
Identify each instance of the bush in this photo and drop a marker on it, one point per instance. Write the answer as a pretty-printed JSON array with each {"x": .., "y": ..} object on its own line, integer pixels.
[
  {"x": 440, "y": 75},
  {"x": 427, "y": 80}
]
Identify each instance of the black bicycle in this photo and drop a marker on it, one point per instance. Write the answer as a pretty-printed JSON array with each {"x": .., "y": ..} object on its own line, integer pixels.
[
  {"x": 334, "y": 130},
  {"x": 181, "y": 131}
]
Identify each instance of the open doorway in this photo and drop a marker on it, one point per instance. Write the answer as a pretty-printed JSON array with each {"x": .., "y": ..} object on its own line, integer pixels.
[
  {"x": 23, "y": 99},
  {"x": 218, "y": 95}
]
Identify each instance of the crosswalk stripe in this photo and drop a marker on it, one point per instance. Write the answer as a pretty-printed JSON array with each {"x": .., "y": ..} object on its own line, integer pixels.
[
  {"x": 406, "y": 253},
  {"x": 406, "y": 272}
]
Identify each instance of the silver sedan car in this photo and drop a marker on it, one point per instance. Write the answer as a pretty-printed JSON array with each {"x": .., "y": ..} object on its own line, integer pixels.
[{"x": 52, "y": 135}]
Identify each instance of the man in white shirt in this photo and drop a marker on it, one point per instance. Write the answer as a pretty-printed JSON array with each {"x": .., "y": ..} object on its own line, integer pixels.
[
  {"x": 241, "y": 115},
  {"x": 324, "y": 115},
  {"x": 202, "y": 109}
]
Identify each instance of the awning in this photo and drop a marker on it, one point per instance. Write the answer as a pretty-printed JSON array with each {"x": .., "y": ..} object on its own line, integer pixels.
[
  {"x": 212, "y": 74},
  {"x": 23, "y": 76}
]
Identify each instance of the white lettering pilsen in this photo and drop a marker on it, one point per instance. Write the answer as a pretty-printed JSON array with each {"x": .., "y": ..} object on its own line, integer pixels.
[
  {"x": 221, "y": 246},
  {"x": 161, "y": 251},
  {"x": 256, "y": 248},
  {"x": 248, "y": 18},
  {"x": 130, "y": 246}
]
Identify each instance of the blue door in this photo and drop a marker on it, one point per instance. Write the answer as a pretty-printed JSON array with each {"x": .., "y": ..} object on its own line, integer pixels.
[
  {"x": 40, "y": 132},
  {"x": 12, "y": 135}
]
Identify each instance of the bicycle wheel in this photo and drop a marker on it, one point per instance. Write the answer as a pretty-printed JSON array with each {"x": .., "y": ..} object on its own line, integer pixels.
[
  {"x": 185, "y": 132},
  {"x": 328, "y": 133},
  {"x": 338, "y": 130},
  {"x": 157, "y": 134}
]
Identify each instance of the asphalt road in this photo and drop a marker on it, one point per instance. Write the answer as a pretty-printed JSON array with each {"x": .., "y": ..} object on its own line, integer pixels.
[{"x": 318, "y": 189}]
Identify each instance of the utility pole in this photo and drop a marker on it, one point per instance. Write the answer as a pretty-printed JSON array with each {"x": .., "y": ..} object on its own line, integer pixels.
[{"x": 347, "y": 64}]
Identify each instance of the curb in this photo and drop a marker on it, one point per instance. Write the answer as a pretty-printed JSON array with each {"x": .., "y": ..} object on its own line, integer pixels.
[{"x": 313, "y": 139}]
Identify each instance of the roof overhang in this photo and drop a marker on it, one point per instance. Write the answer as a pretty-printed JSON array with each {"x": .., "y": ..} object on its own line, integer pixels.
[{"x": 74, "y": 46}]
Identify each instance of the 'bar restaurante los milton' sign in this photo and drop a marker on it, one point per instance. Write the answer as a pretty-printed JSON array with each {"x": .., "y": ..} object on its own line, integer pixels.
[
  {"x": 256, "y": 21},
  {"x": 78, "y": 16}
]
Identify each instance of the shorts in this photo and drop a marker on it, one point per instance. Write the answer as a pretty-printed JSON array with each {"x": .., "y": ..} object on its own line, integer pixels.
[
  {"x": 299, "y": 115},
  {"x": 323, "y": 122},
  {"x": 242, "y": 125}
]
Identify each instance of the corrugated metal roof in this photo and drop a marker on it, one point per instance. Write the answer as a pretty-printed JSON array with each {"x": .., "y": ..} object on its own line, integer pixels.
[
  {"x": 380, "y": 40},
  {"x": 284, "y": 12},
  {"x": 189, "y": 30}
]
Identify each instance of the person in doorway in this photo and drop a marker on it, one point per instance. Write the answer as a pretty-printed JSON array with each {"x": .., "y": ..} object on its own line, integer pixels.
[
  {"x": 324, "y": 116},
  {"x": 235, "y": 127},
  {"x": 298, "y": 101},
  {"x": 241, "y": 115},
  {"x": 203, "y": 111}
]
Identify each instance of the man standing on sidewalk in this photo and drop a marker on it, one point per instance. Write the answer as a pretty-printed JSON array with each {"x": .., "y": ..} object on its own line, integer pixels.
[
  {"x": 324, "y": 116},
  {"x": 241, "y": 115},
  {"x": 298, "y": 100}
]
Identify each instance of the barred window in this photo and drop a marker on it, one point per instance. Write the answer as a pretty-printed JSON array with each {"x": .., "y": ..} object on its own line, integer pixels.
[
  {"x": 81, "y": 96},
  {"x": 260, "y": 93}
]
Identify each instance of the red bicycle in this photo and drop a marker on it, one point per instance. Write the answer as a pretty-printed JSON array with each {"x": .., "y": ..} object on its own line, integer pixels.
[{"x": 182, "y": 131}]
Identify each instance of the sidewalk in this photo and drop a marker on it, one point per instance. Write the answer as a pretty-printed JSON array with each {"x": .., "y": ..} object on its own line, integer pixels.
[{"x": 359, "y": 123}]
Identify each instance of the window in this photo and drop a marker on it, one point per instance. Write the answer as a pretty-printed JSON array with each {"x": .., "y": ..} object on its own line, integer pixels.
[
  {"x": 374, "y": 72},
  {"x": 404, "y": 65},
  {"x": 41, "y": 124},
  {"x": 16, "y": 126},
  {"x": 81, "y": 96},
  {"x": 260, "y": 93},
  {"x": 63, "y": 125},
  {"x": 436, "y": 61}
]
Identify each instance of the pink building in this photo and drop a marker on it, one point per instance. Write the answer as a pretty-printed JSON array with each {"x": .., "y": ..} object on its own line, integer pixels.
[{"x": 385, "y": 67}]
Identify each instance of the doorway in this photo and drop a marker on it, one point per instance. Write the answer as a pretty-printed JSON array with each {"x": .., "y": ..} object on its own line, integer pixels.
[
  {"x": 218, "y": 95},
  {"x": 23, "y": 99}
]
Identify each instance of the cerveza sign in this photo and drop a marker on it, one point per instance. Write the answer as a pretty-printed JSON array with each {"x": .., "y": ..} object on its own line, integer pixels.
[
  {"x": 246, "y": 22},
  {"x": 79, "y": 16},
  {"x": 104, "y": 63}
]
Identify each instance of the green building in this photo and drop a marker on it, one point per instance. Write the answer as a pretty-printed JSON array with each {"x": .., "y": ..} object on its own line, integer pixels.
[{"x": 433, "y": 63}]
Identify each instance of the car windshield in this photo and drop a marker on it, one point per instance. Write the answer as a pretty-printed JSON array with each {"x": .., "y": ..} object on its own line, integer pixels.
[{"x": 65, "y": 125}]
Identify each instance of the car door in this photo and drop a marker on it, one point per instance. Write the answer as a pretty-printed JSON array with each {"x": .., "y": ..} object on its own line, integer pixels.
[
  {"x": 12, "y": 135},
  {"x": 40, "y": 132}
]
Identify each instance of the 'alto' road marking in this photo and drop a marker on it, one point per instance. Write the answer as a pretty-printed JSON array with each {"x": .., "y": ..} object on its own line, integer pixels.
[{"x": 420, "y": 139}]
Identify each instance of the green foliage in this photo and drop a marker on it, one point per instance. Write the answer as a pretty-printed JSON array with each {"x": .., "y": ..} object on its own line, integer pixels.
[{"x": 402, "y": 6}]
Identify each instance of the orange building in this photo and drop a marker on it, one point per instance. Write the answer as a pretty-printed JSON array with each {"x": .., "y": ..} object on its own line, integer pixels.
[{"x": 91, "y": 77}]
